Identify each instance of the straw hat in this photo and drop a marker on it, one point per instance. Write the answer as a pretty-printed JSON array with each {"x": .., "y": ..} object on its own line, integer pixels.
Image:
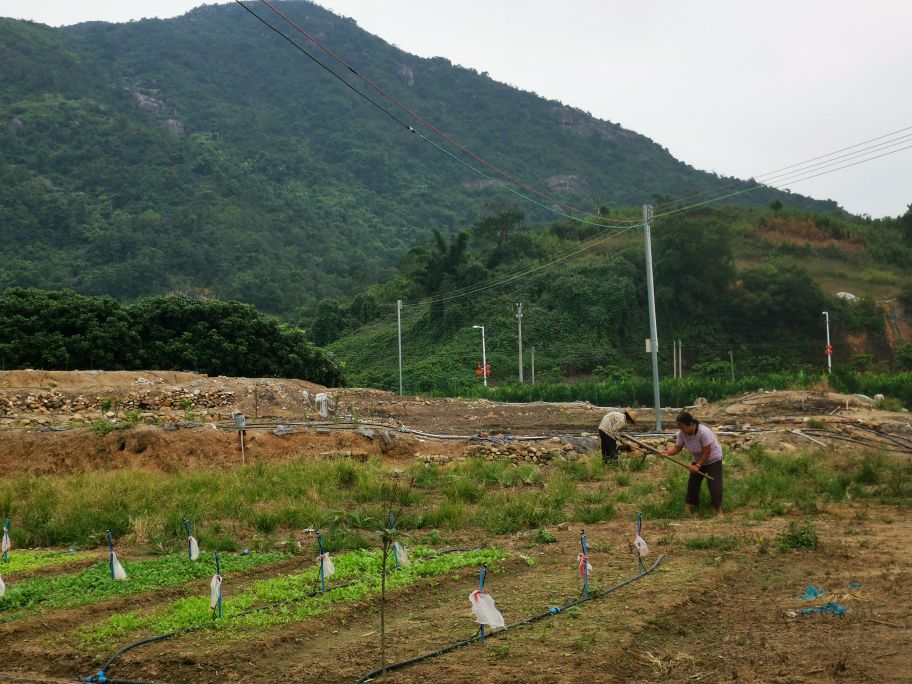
[{"x": 632, "y": 415}]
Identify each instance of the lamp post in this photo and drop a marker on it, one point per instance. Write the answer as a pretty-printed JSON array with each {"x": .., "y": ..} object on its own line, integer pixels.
[
  {"x": 484, "y": 355},
  {"x": 829, "y": 347}
]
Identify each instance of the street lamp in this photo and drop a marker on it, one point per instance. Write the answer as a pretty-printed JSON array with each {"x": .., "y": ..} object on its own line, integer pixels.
[
  {"x": 829, "y": 347},
  {"x": 484, "y": 355}
]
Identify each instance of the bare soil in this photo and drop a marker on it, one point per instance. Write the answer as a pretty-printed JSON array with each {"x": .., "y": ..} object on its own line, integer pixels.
[
  {"x": 704, "y": 615},
  {"x": 43, "y": 442}
]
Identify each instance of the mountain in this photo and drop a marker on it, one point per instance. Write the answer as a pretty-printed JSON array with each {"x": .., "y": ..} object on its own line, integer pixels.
[{"x": 204, "y": 155}]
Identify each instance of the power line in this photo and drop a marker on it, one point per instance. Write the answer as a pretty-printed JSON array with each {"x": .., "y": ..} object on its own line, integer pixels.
[
  {"x": 447, "y": 296},
  {"x": 501, "y": 280},
  {"x": 766, "y": 176},
  {"x": 417, "y": 116},
  {"x": 783, "y": 184},
  {"x": 601, "y": 222}
]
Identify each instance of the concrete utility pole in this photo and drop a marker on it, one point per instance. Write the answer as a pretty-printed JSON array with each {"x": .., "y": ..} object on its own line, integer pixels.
[
  {"x": 399, "y": 334},
  {"x": 519, "y": 315},
  {"x": 533, "y": 364},
  {"x": 829, "y": 347},
  {"x": 653, "y": 327},
  {"x": 674, "y": 359},
  {"x": 731, "y": 358},
  {"x": 484, "y": 355},
  {"x": 680, "y": 360}
]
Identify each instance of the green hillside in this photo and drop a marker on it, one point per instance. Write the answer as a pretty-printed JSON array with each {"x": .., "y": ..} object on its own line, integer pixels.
[
  {"x": 747, "y": 281},
  {"x": 204, "y": 155}
]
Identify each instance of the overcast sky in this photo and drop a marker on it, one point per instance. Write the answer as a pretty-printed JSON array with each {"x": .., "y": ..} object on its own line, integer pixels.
[{"x": 737, "y": 88}]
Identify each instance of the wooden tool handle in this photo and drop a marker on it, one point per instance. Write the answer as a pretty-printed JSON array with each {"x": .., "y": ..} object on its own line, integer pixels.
[{"x": 659, "y": 453}]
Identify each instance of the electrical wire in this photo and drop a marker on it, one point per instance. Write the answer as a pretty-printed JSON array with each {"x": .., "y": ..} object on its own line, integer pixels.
[
  {"x": 448, "y": 296},
  {"x": 418, "y": 116},
  {"x": 783, "y": 184},
  {"x": 377, "y": 105},
  {"x": 793, "y": 177},
  {"x": 763, "y": 177}
]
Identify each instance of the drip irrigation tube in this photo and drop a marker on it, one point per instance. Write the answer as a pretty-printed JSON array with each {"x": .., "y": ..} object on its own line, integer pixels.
[
  {"x": 101, "y": 675},
  {"x": 828, "y": 434},
  {"x": 899, "y": 440},
  {"x": 535, "y": 618}
]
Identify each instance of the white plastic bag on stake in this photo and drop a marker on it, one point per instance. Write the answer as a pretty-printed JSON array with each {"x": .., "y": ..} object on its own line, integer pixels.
[
  {"x": 328, "y": 568},
  {"x": 119, "y": 572},
  {"x": 485, "y": 611},
  {"x": 194, "y": 548},
  {"x": 215, "y": 591},
  {"x": 6, "y": 546},
  {"x": 401, "y": 555},
  {"x": 641, "y": 546},
  {"x": 2, "y": 588}
]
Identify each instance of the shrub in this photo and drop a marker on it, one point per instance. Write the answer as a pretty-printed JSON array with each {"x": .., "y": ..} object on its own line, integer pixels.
[{"x": 799, "y": 535}]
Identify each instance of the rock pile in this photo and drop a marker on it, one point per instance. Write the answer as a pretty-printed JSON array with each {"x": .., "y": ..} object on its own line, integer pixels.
[{"x": 81, "y": 406}]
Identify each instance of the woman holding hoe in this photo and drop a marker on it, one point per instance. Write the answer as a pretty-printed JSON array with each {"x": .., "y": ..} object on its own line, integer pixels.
[{"x": 706, "y": 459}]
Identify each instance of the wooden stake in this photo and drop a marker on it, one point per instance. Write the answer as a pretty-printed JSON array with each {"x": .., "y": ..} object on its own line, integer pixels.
[{"x": 243, "y": 452}]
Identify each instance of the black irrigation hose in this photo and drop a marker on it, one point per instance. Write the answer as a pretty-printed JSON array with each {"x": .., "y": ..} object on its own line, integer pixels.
[
  {"x": 5, "y": 677},
  {"x": 896, "y": 439},
  {"x": 100, "y": 676},
  {"x": 845, "y": 438},
  {"x": 535, "y": 618}
]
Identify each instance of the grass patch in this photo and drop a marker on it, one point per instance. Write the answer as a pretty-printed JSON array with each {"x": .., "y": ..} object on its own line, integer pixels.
[
  {"x": 799, "y": 535},
  {"x": 510, "y": 512},
  {"x": 544, "y": 537}
]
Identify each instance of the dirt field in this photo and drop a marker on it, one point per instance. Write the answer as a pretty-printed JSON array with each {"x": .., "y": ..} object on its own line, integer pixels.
[
  {"x": 194, "y": 427},
  {"x": 719, "y": 607}
]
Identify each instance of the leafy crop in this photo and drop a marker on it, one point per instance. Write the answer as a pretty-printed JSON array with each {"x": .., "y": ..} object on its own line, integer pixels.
[
  {"x": 95, "y": 584},
  {"x": 292, "y": 597},
  {"x": 25, "y": 560}
]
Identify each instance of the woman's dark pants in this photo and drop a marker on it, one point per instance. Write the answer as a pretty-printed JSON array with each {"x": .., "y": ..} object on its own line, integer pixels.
[
  {"x": 714, "y": 470},
  {"x": 609, "y": 447}
]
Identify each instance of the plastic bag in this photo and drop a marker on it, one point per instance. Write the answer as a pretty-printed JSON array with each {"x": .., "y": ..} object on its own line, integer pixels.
[
  {"x": 585, "y": 567},
  {"x": 6, "y": 546},
  {"x": 215, "y": 591},
  {"x": 641, "y": 546},
  {"x": 401, "y": 555},
  {"x": 2, "y": 588},
  {"x": 119, "y": 572},
  {"x": 194, "y": 548},
  {"x": 328, "y": 568},
  {"x": 485, "y": 611},
  {"x": 812, "y": 592}
]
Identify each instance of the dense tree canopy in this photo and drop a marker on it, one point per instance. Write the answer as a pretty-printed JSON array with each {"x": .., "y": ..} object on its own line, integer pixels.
[{"x": 63, "y": 330}]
